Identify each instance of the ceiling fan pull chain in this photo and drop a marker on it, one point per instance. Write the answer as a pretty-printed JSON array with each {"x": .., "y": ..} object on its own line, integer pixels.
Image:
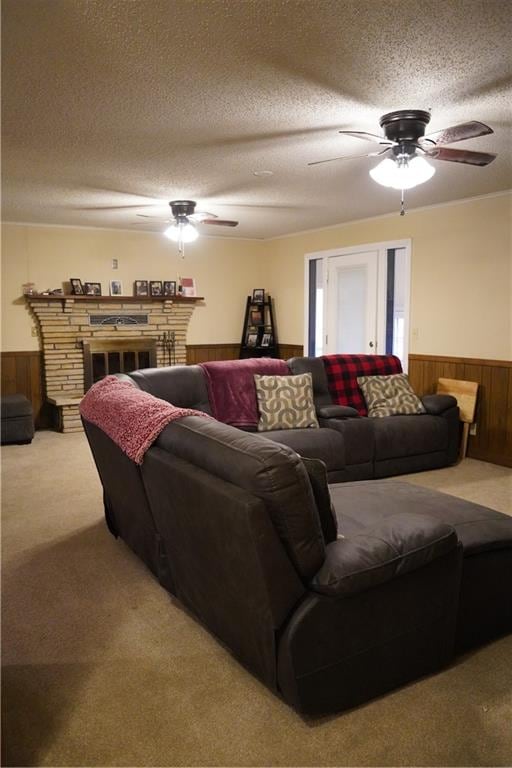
[{"x": 402, "y": 209}]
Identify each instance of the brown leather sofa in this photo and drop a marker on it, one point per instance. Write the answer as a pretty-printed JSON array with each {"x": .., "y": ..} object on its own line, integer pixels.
[{"x": 239, "y": 528}]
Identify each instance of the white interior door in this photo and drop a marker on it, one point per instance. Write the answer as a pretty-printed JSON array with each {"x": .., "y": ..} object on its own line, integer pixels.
[{"x": 351, "y": 321}]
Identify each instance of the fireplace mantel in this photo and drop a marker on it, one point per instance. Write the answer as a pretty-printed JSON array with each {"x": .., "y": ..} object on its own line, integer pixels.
[
  {"x": 67, "y": 322},
  {"x": 114, "y": 299}
]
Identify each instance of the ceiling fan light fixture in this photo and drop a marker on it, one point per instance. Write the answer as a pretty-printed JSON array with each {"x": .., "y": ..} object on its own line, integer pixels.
[
  {"x": 402, "y": 173},
  {"x": 182, "y": 232}
]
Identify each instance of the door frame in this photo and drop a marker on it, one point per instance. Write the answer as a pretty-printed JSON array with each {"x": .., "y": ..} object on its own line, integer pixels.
[{"x": 382, "y": 247}]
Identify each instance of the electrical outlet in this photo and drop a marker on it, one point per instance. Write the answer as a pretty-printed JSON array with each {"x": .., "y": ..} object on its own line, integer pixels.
[
  {"x": 34, "y": 331},
  {"x": 472, "y": 429},
  {"x": 415, "y": 333},
  {"x": 115, "y": 264}
]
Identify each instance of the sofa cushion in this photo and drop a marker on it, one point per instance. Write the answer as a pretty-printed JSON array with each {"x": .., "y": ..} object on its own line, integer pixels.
[
  {"x": 271, "y": 472},
  {"x": 342, "y": 372},
  {"x": 317, "y": 474},
  {"x": 389, "y": 547},
  {"x": 360, "y": 505},
  {"x": 409, "y": 436},
  {"x": 181, "y": 385},
  {"x": 285, "y": 402},
  {"x": 389, "y": 395},
  {"x": 324, "y": 444}
]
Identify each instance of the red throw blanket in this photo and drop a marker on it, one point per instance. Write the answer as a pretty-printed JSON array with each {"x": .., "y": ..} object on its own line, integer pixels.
[
  {"x": 231, "y": 388},
  {"x": 342, "y": 372},
  {"x": 130, "y": 417}
]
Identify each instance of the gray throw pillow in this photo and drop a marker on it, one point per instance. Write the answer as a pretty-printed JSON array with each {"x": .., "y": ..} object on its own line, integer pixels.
[
  {"x": 389, "y": 395},
  {"x": 285, "y": 402}
]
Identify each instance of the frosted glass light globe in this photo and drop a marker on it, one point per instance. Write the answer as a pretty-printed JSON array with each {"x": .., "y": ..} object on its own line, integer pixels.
[{"x": 402, "y": 173}]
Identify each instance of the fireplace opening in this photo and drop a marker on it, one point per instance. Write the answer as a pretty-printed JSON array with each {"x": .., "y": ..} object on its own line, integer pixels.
[{"x": 107, "y": 356}]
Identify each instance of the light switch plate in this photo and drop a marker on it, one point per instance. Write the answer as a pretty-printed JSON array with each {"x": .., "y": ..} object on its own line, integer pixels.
[{"x": 115, "y": 264}]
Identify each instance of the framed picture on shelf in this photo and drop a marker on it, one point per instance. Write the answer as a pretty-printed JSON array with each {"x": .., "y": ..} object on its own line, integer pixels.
[
  {"x": 251, "y": 340},
  {"x": 141, "y": 288},
  {"x": 189, "y": 286},
  {"x": 92, "y": 289},
  {"x": 77, "y": 288},
  {"x": 155, "y": 287},
  {"x": 169, "y": 287},
  {"x": 266, "y": 340},
  {"x": 258, "y": 295},
  {"x": 116, "y": 288},
  {"x": 256, "y": 317}
]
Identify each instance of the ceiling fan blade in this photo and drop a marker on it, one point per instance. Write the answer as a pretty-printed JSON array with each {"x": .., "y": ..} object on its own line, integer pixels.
[
  {"x": 460, "y": 156},
  {"x": 219, "y": 222},
  {"x": 461, "y": 132},
  {"x": 368, "y": 137},
  {"x": 154, "y": 218},
  {"x": 351, "y": 157},
  {"x": 201, "y": 215}
]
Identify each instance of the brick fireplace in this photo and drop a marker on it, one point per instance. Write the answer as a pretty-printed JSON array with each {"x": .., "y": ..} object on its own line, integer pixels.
[{"x": 129, "y": 331}]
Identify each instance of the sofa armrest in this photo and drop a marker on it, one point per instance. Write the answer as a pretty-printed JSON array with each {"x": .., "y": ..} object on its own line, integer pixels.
[
  {"x": 337, "y": 412},
  {"x": 435, "y": 405},
  {"x": 397, "y": 545}
]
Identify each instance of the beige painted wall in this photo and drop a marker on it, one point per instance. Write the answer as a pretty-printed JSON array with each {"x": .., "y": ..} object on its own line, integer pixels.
[
  {"x": 461, "y": 275},
  {"x": 225, "y": 270}
]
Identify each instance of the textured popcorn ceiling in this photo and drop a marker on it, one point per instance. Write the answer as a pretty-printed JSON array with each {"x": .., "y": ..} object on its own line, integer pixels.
[{"x": 112, "y": 105}]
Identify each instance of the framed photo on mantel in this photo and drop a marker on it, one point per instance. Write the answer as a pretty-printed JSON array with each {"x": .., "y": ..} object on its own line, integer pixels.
[
  {"x": 141, "y": 288},
  {"x": 155, "y": 287},
  {"x": 92, "y": 289}
]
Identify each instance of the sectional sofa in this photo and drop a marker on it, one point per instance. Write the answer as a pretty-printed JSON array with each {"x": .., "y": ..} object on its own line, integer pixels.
[
  {"x": 239, "y": 528},
  {"x": 329, "y": 594},
  {"x": 353, "y": 447}
]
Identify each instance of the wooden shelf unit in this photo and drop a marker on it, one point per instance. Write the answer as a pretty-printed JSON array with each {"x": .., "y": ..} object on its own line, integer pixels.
[{"x": 259, "y": 325}]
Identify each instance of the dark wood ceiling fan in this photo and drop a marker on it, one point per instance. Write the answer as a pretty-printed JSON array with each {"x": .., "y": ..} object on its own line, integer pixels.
[
  {"x": 404, "y": 135},
  {"x": 184, "y": 211}
]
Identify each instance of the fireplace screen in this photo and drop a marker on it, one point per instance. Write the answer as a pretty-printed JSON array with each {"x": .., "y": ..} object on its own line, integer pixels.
[{"x": 105, "y": 357}]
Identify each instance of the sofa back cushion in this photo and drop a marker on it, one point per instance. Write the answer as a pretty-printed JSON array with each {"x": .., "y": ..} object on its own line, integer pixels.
[
  {"x": 342, "y": 372},
  {"x": 270, "y": 471},
  {"x": 181, "y": 385},
  {"x": 314, "y": 366}
]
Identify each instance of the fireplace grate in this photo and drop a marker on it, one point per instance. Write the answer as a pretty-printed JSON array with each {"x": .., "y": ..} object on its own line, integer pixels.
[{"x": 106, "y": 357}]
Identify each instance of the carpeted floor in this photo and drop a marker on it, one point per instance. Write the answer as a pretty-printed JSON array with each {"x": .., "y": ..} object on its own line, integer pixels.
[{"x": 102, "y": 667}]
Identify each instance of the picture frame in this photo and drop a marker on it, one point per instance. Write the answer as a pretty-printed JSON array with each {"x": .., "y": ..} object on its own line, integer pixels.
[
  {"x": 256, "y": 317},
  {"x": 266, "y": 340},
  {"x": 92, "y": 289},
  {"x": 169, "y": 287},
  {"x": 258, "y": 295},
  {"x": 155, "y": 287},
  {"x": 251, "y": 340},
  {"x": 77, "y": 288},
  {"x": 141, "y": 288},
  {"x": 188, "y": 285},
  {"x": 116, "y": 288}
]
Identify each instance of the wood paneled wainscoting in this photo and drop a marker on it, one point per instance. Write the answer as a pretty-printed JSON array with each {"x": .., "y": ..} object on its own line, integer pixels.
[
  {"x": 203, "y": 353},
  {"x": 22, "y": 373},
  {"x": 493, "y": 439}
]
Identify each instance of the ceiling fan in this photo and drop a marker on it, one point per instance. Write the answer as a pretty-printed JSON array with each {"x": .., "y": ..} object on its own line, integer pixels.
[
  {"x": 183, "y": 224},
  {"x": 406, "y": 145}
]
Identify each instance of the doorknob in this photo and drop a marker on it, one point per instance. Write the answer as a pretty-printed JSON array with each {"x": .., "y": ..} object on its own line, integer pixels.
[{"x": 371, "y": 344}]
